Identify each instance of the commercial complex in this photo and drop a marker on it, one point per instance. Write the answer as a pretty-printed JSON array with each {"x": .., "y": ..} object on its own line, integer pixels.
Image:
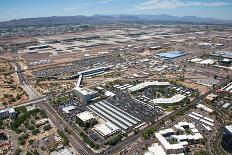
[
  {"x": 84, "y": 94},
  {"x": 175, "y": 141},
  {"x": 147, "y": 84},
  {"x": 85, "y": 116},
  {"x": 114, "y": 115},
  {"x": 174, "y": 99},
  {"x": 107, "y": 129}
]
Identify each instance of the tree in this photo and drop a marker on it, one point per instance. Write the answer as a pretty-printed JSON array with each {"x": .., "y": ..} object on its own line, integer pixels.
[
  {"x": 30, "y": 141},
  {"x": 18, "y": 151},
  {"x": 202, "y": 152},
  {"x": 47, "y": 127}
]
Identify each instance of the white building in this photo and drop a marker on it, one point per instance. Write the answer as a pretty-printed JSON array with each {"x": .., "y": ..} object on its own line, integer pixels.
[
  {"x": 174, "y": 99},
  {"x": 147, "y": 84},
  {"x": 203, "y": 107},
  {"x": 84, "y": 94},
  {"x": 85, "y": 116},
  {"x": 228, "y": 129},
  {"x": 69, "y": 108},
  {"x": 107, "y": 129},
  {"x": 165, "y": 147}
]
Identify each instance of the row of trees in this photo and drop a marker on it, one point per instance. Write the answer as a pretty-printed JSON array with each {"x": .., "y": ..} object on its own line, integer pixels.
[{"x": 88, "y": 141}]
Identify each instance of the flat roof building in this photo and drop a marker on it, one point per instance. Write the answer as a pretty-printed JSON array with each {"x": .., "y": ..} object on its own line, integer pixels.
[
  {"x": 228, "y": 129},
  {"x": 69, "y": 108},
  {"x": 174, "y": 99},
  {"x": 84, "y": 94},
  {"x": 147, "y": 84},
  {"x": 107, "y": 129},
  {"x": 9, "y": 112},
  {"x": 171, "y": 54},
  {"x": 85, "y": 116}
]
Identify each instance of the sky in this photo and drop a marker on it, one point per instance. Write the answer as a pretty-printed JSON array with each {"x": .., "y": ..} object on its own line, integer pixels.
[{"x": 15, "y": 9}]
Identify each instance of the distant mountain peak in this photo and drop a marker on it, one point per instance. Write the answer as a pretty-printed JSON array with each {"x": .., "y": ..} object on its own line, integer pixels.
[{"x": 81, "y": 19}]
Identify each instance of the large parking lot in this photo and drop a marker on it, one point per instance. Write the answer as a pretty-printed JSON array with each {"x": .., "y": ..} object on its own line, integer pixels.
[{"x": 136, "y": 108}]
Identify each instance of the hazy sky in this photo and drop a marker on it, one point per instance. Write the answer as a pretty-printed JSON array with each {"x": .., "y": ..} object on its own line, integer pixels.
[{"x": 14, "y": 9}]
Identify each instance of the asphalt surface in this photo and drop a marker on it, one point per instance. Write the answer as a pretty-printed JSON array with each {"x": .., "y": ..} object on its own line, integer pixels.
[
  {"x": 73, "y": 137},
  {"x": 41, "y": 101},
  {"x": 130, "y": 140},
  {"x": 24, "y": 83}
]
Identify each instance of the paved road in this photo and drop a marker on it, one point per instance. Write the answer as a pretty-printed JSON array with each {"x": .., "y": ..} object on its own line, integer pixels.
[
  {"x": 24, "y": 83},
  {"x": 130, "y": 140},
  {"x": 73, "y": 137},
  {"x": 41, "y": 101}
]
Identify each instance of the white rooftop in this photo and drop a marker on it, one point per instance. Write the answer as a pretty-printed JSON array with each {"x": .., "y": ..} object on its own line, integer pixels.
[
  {"x": 107, "y": 128},
  {"x": 84, "y": 91},
  {"x": 203, "y": 107},
  {"x": 229, "y": 128},
  {"x": 146, "y": 84},
  {"x": 68, "y": 108},
  {"x": 85, "y": 116},
  {"x": 173, "y": 99}
]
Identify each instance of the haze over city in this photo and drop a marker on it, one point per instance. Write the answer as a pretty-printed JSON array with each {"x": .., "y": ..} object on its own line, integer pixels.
[
  {"x": 115, "y": 77},
  {"x": 14, "y": 9}
]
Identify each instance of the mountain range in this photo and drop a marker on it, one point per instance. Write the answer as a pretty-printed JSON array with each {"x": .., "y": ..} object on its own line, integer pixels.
[{"x": 79, "y": 19}]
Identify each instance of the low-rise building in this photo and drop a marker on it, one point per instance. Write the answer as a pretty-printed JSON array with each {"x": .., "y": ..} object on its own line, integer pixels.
[
  {"x": 147, "y": 84},
  {"x": 6, "y": 113},
  {"x": 84, "y": 94},
  {"x": 85, "y": 116},
  {"x": 174, "y": 99},
  {"x": 107, "y": 129},
  {"x": 174, "y": 141}
]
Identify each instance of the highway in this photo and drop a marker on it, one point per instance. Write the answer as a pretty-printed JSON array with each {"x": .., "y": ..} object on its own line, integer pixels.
[
  {"x": 74, "y": 139},
  {"x": 24, "y": 83},
  {"x": 41, "y": 101}
]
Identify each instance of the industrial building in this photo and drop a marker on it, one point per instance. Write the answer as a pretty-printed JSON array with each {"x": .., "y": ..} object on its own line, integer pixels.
[
  {"x": 6, "y": 113},
  {"x": 171, "y": 54},
  {"x": 144, "y": 85},
  {"x": 114, "y": 115}
]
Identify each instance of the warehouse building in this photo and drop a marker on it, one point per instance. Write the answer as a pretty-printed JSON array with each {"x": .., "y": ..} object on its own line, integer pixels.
[{"x": 171, "y": 54}]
